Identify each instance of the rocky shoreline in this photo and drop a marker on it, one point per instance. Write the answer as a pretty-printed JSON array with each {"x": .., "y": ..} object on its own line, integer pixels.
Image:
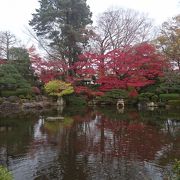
[{"x": 14, "y": 104}]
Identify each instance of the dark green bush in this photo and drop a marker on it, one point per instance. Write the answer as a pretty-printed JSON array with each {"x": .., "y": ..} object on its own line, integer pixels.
[
  {"x": 111, "y": 97},
  {"x": 8, "y": 93},
  {"x": 167, "y": 97},
  {"x": 12, "y": 82},
  {"x": 17, "y": 92},
  {"x": 75, "y": 100},
  {"x": 23, "y": 91},
  {"x": 147, "y": 97}
]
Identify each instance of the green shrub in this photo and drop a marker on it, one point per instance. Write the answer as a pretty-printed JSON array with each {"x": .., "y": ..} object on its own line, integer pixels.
[
  {"x": 23, "y": 91},
  {"x": 111, "y": 97},
  {"x": 22, "y": 96},
  {"x": 8, "y": 93},
  {"x": 58, "y": 88},
  {"x": 5, "y": 174},
  {"x": 29, "y": 97},
  {"x": 75, "y": 100},
  {"x": 11, "y": 78},
  {"x": 147, "y": 97},
  {"x": 167, "y": 97},
  {"x": 17, "y": 92}
]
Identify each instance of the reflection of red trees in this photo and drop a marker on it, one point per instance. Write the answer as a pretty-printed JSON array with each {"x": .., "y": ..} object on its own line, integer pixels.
[
  {"x": 119, "y": 138},
  {"x": 132, "y": 139},
  {"x": 93, "y": 133},
  {"x": 44, "y": 69}
]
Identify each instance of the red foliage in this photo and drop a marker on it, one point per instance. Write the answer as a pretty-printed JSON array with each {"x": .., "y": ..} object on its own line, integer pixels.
[
  {"x": 81, "y": 89},
  {"x": 46, "y": 70},
  {"x": 2, "y": 61},
  {"x": 36, "y": 90},
  {"x": 87, "y": 91},
  {"x": 135, "y": 66},
  {"x": 133, "y": 93}
]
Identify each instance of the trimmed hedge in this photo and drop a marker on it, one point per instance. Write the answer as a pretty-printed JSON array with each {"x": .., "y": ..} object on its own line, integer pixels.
[
  {"x": 75, "y": 100},
  {"x": 147, "y": 97},
  {"x": 167, "y": 97},
  {"x": 17, "y": 92},
  {"x": 8, "y": 93},
  {"x": 111, "y": 97}
]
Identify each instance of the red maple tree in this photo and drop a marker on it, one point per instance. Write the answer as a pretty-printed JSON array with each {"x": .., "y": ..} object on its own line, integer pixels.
[
  {"x": 44, "y": 69},
  {"x": 135, "y": 66}
]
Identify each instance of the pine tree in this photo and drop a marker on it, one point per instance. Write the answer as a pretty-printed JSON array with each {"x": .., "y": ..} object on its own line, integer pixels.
[{"x": 63, "y": 23}]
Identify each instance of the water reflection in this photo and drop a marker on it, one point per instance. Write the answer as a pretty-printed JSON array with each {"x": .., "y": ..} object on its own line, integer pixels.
[{"x": 91, "y": 144}]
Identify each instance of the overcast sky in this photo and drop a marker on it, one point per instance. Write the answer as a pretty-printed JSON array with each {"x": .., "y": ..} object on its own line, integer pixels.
[{"x": 15, "y": 14}]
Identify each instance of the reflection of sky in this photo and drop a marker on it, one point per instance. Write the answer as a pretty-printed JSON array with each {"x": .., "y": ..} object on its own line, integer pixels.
[
  {"x": 39, "y": 157},
  {"x": 171, "y": 126},
  {"x": 44, "y": 157},
  {"x": 27, "y": 167},
  {"x": 153, "y": 171},
  {"x": 37, "y": 132}
]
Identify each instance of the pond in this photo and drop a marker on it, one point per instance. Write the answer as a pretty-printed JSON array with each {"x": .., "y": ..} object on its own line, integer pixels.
[{"x": 91, "y": 144}]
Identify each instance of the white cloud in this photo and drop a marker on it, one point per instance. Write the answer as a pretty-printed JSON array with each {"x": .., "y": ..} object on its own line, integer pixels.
[
  {"x": 159, "y": 10},
  {"x": 15, "y": 14}
]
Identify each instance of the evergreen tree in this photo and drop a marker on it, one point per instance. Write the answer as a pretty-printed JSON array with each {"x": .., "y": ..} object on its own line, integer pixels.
[
  {"x": 169, "y": 41},
  {"x": 18, "y": 53},
  {"x": 20, "y": 59},
  {"x": 63, "y": 24},
  {"x": 11, "y": 81}
]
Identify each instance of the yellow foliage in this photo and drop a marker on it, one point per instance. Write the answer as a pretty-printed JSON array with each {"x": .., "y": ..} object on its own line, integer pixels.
[{"x": 58, "y": 88}]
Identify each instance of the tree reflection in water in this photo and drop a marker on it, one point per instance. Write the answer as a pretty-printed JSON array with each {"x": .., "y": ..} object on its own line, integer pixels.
[{"x": 99, "y": 144}]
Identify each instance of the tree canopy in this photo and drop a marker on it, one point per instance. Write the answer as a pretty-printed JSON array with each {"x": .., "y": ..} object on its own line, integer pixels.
[
  {"x": 119, "y": 27},
  {"x": 135, "y": 66},
  {"x": 11, "y": 81},
  {"x": 7, "y": 41},
  {"x": 63, "y": 24},
  {"x": 169, "y": 40},
  {"x": 58, "y": 88}
]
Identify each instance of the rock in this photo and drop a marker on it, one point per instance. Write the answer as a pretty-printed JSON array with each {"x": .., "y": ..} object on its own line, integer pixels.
[
  {"x": 39, "y": 98},
  {"x": 1, "y": 100},
  {"x": 44, "y": 98},
  {"x": 8, "y": 106},
  {"x": 31, "y": 105},
  {"x": 28, "y": 105},
  {"x": 54, "y": 118},
  {"x": 151, "y": 104},
  {"x": 13, "y": 99},
  {"x": 46, "y": 104},
  {"x": 37, "y": 105}
]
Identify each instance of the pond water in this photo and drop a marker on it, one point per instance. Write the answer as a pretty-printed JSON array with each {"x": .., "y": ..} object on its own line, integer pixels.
[{"x": 91, "y": 144}]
